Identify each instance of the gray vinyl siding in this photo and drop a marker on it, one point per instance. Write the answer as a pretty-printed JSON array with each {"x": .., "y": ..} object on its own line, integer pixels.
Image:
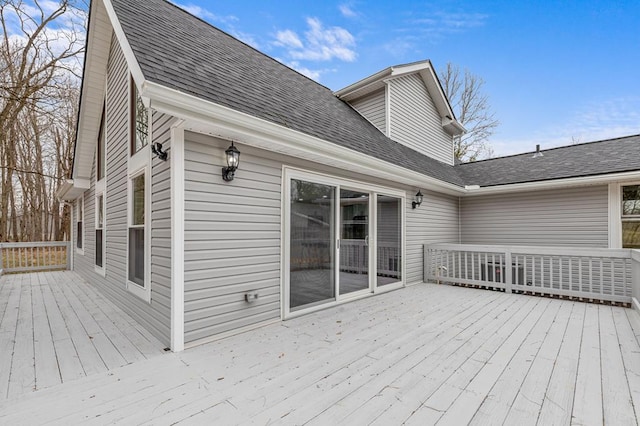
[
  {"x": 415, "y": 122},
  {"x": 232, "y": 239},
  {"x": 154, "y": 316},
  {"x": 434, "y": 221},
  {"x": 372, "y": 107},
  {"x": 561, "y": 217}
]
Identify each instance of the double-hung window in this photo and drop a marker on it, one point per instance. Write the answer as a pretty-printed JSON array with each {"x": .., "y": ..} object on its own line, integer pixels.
[
  {"x": 139, "y": 164},
  {"x": 80, "y": 225},
  {"x": 100, "y": 202},
  {"x": 631, "y": 216}
]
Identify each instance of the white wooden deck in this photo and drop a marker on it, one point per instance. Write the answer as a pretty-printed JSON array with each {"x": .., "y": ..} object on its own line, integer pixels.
[
  {"x": 56, "y": 328},
  {"x": 422, "y": 355}
]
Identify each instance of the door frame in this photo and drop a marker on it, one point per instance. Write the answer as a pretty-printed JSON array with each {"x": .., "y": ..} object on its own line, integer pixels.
[{"x": 289, "y": 173}]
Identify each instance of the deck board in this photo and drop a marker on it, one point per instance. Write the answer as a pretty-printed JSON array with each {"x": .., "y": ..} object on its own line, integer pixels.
[
  {"x": 53, "y": 331},
  {"x": 424, "y": 354}
]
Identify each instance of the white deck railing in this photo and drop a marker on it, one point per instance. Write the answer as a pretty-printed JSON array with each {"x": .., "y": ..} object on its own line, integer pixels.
[
  {"x": 593, "y": 274},
  {"x": 34, "y": 256}
]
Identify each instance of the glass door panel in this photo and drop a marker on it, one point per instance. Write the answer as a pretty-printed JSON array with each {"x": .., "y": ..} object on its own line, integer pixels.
[
  {"x": 389, "y": 240},
  {"x": 312, "y": 244},
  {"x": 354, "y": 239}
]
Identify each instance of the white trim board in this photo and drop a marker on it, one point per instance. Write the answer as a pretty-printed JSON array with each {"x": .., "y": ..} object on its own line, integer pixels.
[{"x": 177, "y": 236}]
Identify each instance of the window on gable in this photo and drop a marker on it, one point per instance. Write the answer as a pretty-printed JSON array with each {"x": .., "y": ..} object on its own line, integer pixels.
[
  {"x": 631, "y": 216},
  {"x": 139, "y": 133}
]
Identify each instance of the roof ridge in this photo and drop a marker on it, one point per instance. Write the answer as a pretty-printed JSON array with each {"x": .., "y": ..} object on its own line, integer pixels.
[
  {"x": 243, "y": 42},
  {"x": 550, "y": 149}
]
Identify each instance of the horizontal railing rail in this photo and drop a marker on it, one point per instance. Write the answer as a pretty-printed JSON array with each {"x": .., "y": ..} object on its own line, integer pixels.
[
  {"x": 34, "y": 256},
  {"x": 585, "y": 273}
]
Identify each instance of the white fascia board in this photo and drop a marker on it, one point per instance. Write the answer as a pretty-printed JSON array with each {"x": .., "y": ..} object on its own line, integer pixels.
[
  {"x": 472, "y": 190},
  {"x": 273, "y": 137},
  {"x": 132, "y": 62},
  {"x": 72, "y": 189},
  {"x": 353, "y": 90}
]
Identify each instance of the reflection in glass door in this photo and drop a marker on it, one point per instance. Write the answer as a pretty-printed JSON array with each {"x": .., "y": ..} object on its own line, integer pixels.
[
  {"x": 312, "y": 244},
  {"x": 354, "y": 241},
  {"x": 389, "y": 240}
]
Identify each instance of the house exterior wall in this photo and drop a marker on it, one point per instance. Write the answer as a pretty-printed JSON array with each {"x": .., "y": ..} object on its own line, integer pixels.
[
  {"x": 233, "y": 238},
  {"x": 414, "y": 120},
  {"x": 154, "y": 315},
  {"x": 372, "y": 107},
  {"x": 561, "y": 217}
]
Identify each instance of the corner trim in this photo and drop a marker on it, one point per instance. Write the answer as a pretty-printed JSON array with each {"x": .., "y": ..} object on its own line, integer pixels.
[{"x": 177, "y": 236}]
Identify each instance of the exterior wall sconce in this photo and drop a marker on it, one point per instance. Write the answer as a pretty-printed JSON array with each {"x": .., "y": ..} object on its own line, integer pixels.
[
  {"x": 233, "y": 161},
  {"x": 156, "y": 148},
  {"x": 418, "y": 200}
]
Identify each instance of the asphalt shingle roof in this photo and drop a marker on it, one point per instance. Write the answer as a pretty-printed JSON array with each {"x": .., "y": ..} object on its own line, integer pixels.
[
  {"x": 586, "y": 159},
  {"x": 182, "y": 52}
]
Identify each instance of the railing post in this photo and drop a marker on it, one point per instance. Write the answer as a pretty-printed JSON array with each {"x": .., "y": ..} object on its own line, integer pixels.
[
  {"x": 508, "y": 272},
  {"x": 1, "y": 255},
  {"x": 426, "y": 263},
  {"x": 68, "y": 248}
]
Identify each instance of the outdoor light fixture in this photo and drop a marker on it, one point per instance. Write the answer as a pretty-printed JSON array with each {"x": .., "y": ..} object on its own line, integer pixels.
[
  {"x": 417, "y": 201},
  {"x": 156, "y": 148},
  {"x": 233, "y": 160}
]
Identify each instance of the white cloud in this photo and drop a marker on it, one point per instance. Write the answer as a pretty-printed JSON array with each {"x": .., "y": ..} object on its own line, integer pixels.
[
  {"x": 319, "y": 43},
  {"x": 595, "y": 121},
  {"x": 312, "y": 74},
  {"x": 288, "y": 38},
  {"x": 347, "y": 11}
]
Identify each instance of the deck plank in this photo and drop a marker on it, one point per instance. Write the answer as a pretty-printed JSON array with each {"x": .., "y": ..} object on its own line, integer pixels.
[
  {"x": 144, "y": 342},
  {"x": 500, "y": 350},
  {"x": 405, "y": 392},
  {"x": 525, "y": 408},
  {"x": 587, "y": 403},
  {"x": 69, "y": 363},
  {"x": 23, "y": 377},
  {"x": 616, "y": 396},
  {"x": 127, "y": 350},
  {"x": 47, "y": 372},
  {"x": 375, "y": 360},
  {"x": 496, "y": 406},
  {"x": 8, "y": 328},
  {"x": 88, "y": 355},
  {"x": 558, "y": 400},
  {"x": 630, "y": 351}
]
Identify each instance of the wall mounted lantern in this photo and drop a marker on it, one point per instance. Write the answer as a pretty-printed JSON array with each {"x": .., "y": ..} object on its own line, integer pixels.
[
  {"x": 233, "y": 161},
  {"x": 418, "y": 200},
  {"x": 156, "y": 148}
]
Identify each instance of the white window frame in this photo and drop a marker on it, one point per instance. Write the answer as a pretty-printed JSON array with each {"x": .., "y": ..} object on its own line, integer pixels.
[
  {"x": 289, "y": 173},
  {"x": 139, "y": 163},
  {"x": 615, "y": 212},
  {"x": 80, "y": 207},
  {"x": 100, "y": 191}
]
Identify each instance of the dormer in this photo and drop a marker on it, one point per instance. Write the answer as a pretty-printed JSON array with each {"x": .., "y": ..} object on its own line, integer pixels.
[{"x": 407, "y": 103}]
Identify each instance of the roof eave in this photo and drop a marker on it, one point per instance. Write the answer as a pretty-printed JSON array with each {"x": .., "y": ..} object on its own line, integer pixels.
[
  {"x": 601, "y": 179},
  {"x": 264, "y": 134}
]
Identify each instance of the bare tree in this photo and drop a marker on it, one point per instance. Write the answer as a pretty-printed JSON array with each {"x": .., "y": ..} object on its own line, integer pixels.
[
  {"x": 40, "y": 55},
  {"x": 472, "y": 109}
]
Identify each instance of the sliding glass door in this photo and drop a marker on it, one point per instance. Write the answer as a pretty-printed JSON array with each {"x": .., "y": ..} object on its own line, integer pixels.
[
  {"x": 312, "y": 248},
  {"x": 354, "y": 241},
  {"x": 343, "y": 241},
  {"x": 388, "y": 240}
]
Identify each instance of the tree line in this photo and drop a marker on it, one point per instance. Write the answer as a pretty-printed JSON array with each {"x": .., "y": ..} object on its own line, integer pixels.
[{"x": 40, "y": 64}]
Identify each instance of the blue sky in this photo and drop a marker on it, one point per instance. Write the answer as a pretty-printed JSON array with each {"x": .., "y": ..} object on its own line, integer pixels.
[{"x": 556, "y": 72}]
